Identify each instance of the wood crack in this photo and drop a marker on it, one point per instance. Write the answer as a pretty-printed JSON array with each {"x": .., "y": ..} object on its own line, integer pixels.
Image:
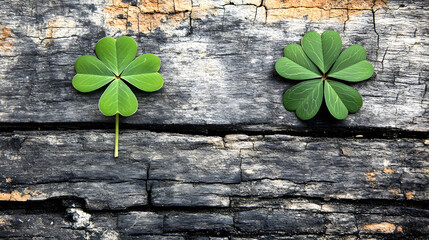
[{"x": 222, "y": 130}]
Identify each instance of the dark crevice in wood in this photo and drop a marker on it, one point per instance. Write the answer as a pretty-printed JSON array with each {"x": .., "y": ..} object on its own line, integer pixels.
[
  {"x": 225, "y": 129},
  {"x": 192, "y": 235},
  {"x": 51, "y": 205},
  {"x": 59, "y": 205}
]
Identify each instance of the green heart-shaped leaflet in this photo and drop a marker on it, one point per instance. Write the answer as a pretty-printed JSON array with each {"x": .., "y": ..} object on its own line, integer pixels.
[
  {"x": 341, "y": 99},
  {"x": 116, "y": 54},
  {"x": 143, "y": 73},
  {"x": 323, "y": 49},
  {"x": 352, "y": 65},
  {"x": 91, "y": 75},
  {"x": 118, "y": 98},
  {"x": 296, "y": 65},
  {"x": 305, "y": 98}
]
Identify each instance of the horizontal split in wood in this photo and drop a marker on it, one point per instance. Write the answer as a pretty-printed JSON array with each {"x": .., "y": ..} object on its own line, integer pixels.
[
  {"x": 222, "y": 130},
  {"x": 388, "y": 207}
]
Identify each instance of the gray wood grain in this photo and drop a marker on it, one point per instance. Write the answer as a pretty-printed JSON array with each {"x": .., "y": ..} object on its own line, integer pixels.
[
  {"x": 268, "y": 219},
  {"x": 192, "y": 170},
  {"x": 217, "y": 61}
]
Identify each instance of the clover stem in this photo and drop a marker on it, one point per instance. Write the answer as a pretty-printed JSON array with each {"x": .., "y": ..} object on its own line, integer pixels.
[{"x": 116, "y": 134}]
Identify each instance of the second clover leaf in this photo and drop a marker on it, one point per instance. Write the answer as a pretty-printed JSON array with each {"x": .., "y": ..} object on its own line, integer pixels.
[{"x": 318, "y": 60}]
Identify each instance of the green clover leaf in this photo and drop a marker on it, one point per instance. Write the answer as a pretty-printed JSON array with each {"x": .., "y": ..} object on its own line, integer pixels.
[
  {"x": 320, "y": 60},
  {"x": 115, "y": 66}
]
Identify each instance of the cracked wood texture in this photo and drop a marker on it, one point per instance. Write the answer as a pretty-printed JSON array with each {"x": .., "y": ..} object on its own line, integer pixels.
[{"x": 213, "y": 155}]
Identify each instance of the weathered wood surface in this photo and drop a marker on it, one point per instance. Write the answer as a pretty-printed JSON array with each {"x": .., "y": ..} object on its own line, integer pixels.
[
  {"x": 237, "y": 185},
  {"x": 207, "y": 171},
  {"x": 218, "y": 63},
  {"x": 217, "y": 59}
]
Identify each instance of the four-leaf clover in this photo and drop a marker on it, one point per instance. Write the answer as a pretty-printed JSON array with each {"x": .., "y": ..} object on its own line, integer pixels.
[
  {"x": 319, "y": 59},
  {"x": 114, "y": 66}
]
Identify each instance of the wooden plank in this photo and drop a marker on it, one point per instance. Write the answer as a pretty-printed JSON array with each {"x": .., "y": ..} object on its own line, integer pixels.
[
  {"x": 259, "y": 219},
  {"x": 163, "y": 169},
  {"x": 217, "y": 60}
]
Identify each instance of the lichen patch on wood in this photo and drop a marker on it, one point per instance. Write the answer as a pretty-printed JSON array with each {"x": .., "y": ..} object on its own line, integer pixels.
[
  {"x": 394, "y": 191},
  {"x": 370, "y": 176},
  {"x": 4, "y": 222},
  {"x": 18, "y": 196},
  {"x": 147, "y": 15},
  {"x": 58, "y": 27},
  {"x": 5, "y": 39},
  {"x": 388, "y": 170},
  {"x": 51, "y": 31},
  {"x": 409, "y": 195},
  {"x": 318, "y": 10},
  {"x": 383, "y": 227}
]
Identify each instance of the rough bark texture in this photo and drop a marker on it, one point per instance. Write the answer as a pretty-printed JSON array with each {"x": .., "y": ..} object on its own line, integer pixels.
[{"x": 213, "y": 155}]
